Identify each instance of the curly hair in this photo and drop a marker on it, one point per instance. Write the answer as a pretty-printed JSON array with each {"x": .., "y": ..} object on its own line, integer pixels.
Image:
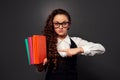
[{"x": 51, "y": 35}]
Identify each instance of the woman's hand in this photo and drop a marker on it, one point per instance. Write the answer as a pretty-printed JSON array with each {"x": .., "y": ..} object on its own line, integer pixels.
[
  {"x": 45, "y": 61},
  {"x": 72, "y": 51}
]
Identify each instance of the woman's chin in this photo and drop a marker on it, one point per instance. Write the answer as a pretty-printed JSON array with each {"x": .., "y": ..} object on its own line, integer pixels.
[{"x": 62, "y": 35}]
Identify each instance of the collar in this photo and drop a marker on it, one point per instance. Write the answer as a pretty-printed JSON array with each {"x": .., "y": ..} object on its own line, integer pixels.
[{"x": 66, "y": 39}]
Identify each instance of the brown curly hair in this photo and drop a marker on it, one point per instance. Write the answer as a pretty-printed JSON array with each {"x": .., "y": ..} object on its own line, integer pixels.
[{"x": 51, "y": 35}]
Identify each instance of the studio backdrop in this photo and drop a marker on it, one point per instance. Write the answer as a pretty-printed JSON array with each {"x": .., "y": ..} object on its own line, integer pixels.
[{"x": 93, "y": 20}]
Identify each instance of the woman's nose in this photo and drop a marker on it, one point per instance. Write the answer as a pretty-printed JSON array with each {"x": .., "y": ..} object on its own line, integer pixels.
[{"x": 61, "y": 26}]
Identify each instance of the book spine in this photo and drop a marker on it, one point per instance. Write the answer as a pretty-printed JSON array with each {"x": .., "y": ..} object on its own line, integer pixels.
[
  {"x": 27, "y": 50},
  {"x": 30, "y": 49}
]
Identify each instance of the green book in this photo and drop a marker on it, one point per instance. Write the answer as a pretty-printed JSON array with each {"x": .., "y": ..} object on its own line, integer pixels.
[{"x": 27, "y": 50}]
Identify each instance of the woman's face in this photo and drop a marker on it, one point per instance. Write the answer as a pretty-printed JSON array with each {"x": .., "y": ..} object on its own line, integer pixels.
[{"x": 61, "y": 24}]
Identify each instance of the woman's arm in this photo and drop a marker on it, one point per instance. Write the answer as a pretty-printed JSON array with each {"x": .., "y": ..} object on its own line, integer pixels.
[
  {"x": 72, "y": 51},
  {"x": 84, "y": 48}
]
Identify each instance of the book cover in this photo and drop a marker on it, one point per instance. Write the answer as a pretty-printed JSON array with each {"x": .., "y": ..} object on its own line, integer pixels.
[
  {"x": 30, "y": 50},
  {"x": 27, "y": 50},
  {"x": 39, "y": 48}
]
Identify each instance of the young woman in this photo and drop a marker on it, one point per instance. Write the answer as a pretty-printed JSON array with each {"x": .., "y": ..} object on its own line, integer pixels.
[{"x": 62, "y": 50}]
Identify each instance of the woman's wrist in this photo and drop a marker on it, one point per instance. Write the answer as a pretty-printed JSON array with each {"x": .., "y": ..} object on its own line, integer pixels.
[{"x": 80, "y": 50}]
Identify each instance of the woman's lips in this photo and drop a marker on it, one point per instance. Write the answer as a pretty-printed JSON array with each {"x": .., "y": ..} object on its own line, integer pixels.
[{"x": 60, "y": 31}]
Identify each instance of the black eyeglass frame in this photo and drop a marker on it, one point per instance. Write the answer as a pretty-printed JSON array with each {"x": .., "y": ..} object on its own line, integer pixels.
[{"x": 64, "y": 24}]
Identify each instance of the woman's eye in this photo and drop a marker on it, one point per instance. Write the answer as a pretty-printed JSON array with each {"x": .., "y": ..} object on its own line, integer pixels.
[
  {"x": 56, "y": 24},
  {"x": 64, "y": 23}
]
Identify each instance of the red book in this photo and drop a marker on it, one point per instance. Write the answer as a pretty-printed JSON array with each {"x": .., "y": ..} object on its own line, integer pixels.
[{"x": 39, "y": 48}]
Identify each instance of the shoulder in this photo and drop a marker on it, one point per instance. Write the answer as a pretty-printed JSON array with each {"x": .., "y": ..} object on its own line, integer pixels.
[{"x": 77, "y": 40}]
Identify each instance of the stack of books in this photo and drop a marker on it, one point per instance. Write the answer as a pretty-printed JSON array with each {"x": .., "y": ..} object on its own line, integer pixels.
[{"x": 36, "y": 49}]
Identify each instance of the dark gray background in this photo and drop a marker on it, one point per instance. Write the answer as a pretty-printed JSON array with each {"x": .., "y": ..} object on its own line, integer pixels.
[{"x": 93, "y": 20}]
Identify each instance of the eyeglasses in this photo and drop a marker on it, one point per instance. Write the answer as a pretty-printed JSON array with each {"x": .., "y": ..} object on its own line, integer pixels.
[{"x": 64, "y": 24}]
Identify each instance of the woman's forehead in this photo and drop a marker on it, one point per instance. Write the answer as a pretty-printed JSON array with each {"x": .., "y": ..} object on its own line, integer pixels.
[{"x": 60, "y": 18}]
